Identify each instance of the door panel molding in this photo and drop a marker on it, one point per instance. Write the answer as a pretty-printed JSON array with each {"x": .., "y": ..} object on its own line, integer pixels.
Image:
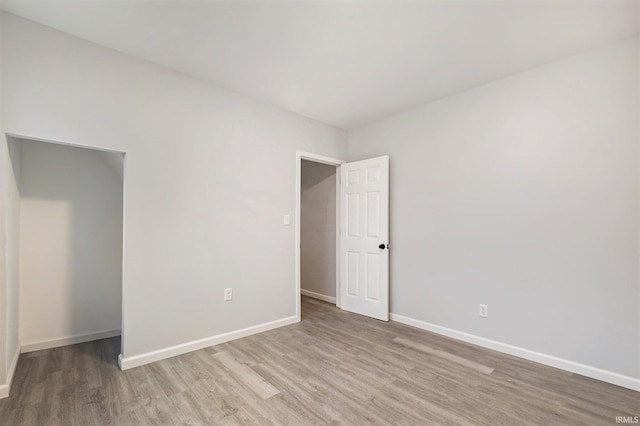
[{"x": 364, "y": 253}]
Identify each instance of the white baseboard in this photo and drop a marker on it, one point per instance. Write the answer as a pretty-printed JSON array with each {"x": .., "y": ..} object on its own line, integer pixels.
[
  {"x": 552, "y": 361},
  {"x": 318, "y": 296},
  {"x": 126, "y": 363},
  {"x": 68, "y": 340},
  {"x": 6, "y": 388}
]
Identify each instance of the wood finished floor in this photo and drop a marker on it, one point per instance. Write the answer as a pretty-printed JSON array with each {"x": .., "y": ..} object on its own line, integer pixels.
[{"x": 333, "y": 367}]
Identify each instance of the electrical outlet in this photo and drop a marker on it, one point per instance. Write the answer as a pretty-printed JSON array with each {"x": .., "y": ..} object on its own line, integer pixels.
[
  {"x": 228, "y": 294},
  {"x": 483, "y": 311}
]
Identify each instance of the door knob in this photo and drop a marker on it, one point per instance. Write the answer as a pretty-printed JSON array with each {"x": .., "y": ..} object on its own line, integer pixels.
[{"x": 382, "y": 246}]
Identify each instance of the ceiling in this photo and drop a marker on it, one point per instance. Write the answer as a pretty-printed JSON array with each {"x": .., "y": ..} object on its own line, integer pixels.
[{"x": 342, "y": 63}]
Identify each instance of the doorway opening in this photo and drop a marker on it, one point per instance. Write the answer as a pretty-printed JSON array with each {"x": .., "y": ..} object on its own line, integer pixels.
[
  {"x": 69, "y": 238},
  {"x": 317, "y": 228},
  {"x": 361, "y": 230}
]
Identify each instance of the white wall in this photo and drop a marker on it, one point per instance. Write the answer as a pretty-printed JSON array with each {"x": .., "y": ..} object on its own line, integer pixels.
[
  {"x": 209, "y": 174},
  {"x": 522, "y": 194},
  {"x": 318, "y": 228},
  {"x": 3, "y": 289},
  {"x": 71, "y": 242},
  {"x": 9, "y": 243},
  {"x": 12, "y": 212}
]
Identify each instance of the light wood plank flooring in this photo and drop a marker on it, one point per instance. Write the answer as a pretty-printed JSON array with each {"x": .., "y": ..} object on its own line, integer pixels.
[{"x": 333, "y": 367}]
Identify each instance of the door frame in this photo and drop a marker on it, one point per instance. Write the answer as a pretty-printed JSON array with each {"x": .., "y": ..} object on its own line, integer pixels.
[{"x": 316, "y": 158}]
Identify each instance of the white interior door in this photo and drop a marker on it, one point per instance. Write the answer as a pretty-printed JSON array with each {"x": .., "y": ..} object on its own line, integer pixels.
[{"x": 364, "y": 237}]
